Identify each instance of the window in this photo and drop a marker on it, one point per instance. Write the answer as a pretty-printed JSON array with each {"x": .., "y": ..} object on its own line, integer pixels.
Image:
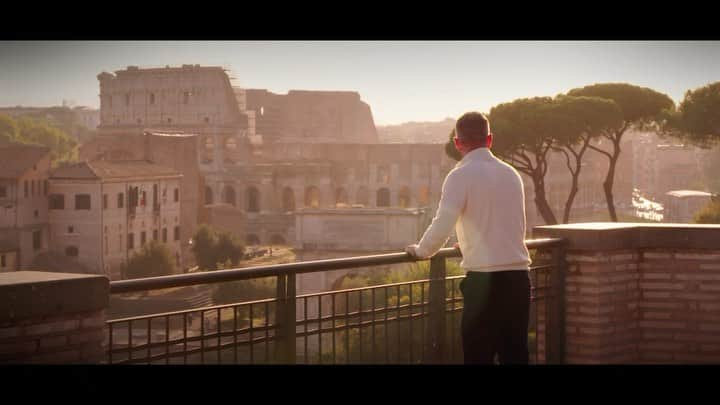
[
  {"x": 2, "y": 261},
  {"x": 156, "y": 199},
  {"x": 82, "y": 201},
  {"x": 105, "y": 201},
  {"x": 177, "y": 233},
  {"x": 143, "y": 200},
  {"x": 26, "y": 189},
  {"x": 383, "y": 198},
  {"x": 208, "y": 195},
  {"x": 186, "y": 97},
  {"x": 56, "y": 201},
  {"x": 71, "y": 229},
  {"x": 142, "y": 238},
  {"x": 121, "y": 200},
  {"x": 36, "y": 213},
  {"x": 169, "y": 120},
  {"x": 155, "y": 234},
  {"x": 164, "y": 235},
  {"x": 45, "y": 186},
  {"x": 253, "y": 200},
  {"x": 32, "y": 187},
  {"x": 3, "y": 193},
  {"x": 72, "y": 251},
  {"x": 152, "y": 98},
  {"x": 131, "y": 241},
  {"x": 127, "y": 99},
  {"x": 176, "y": 194},
  {"x": 207, "y": 120},
  {"x": 37, "y": 240}
]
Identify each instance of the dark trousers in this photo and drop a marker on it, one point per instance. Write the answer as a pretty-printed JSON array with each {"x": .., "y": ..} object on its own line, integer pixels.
[{"x": 496, "y": 307}]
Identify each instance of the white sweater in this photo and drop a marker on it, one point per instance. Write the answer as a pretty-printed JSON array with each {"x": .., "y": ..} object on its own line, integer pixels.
[{"x": 483, "y": 198}]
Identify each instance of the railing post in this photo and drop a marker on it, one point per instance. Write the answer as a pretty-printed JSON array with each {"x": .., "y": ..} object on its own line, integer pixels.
[
  {"x": 555, "y": 322},
  {"x": 285, "y": 319},
  {"x": 435, "y": 351}
]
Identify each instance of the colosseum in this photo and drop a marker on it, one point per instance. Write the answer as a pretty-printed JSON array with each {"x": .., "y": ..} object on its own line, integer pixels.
[{"x": 251, "y": 159}]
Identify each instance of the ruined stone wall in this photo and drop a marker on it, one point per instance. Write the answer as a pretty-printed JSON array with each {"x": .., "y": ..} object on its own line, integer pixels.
[{"x": 323, "y": 116}]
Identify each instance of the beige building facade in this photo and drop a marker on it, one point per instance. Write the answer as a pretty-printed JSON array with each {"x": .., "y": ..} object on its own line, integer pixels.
[
  {"x": 103, "y": 212},
  {"x": 23, "y": 205}
]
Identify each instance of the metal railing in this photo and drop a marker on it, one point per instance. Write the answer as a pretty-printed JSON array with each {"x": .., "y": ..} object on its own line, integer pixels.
[{"x": 414, "y": 321}]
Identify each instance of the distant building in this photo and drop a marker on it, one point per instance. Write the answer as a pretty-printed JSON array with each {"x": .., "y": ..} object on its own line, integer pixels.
[
  {"x": 682, "y": 205},
  {"x": 87, "y": 117},
  {"x": 23, "y": 204},
  {"x": 102, "y": 212}
]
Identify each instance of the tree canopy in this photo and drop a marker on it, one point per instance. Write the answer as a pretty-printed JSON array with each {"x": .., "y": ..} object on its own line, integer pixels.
[
  {"x": 710, "y": 214},
  {"x": 697, "y": 118},
  {"x": 215, "y": 249},
  {"x": 527, "y": 130},
  {"x": 25, "y": 130},
  {"x": 640, "y": 107},
  {"x": 153, "y": 260}
]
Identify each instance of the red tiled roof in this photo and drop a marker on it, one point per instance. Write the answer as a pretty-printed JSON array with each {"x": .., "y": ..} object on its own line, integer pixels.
[{"x": 109, "y": 169}]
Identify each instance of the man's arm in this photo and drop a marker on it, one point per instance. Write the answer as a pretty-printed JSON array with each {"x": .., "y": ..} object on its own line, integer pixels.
[{"x": 452, "y": 204}]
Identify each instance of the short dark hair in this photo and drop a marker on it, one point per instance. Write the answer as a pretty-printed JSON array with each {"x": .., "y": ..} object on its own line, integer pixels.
[{"x": 472, "y": 126}]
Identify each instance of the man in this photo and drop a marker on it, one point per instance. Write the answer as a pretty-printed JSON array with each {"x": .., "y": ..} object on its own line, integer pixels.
[{"x": 483, "y": 199}]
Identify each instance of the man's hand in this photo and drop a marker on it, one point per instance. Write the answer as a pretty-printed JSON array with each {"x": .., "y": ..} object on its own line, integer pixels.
[{"x": 411, "y": 250}]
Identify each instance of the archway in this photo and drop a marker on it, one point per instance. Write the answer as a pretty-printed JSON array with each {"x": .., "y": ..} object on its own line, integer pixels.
[
  {"x": 253, "y": 199},
  {"x": 424, "y": 195},
  {"x": 312, "y": 197},
  {"x": 383, "y": 198},
  {"x": 229, "y": 195},
  {"x": 288, "y": 199},
  {"x": 404, "y": 197},
  {"x": 362, "y": 196},
  {"x": 341, "y": 197}
]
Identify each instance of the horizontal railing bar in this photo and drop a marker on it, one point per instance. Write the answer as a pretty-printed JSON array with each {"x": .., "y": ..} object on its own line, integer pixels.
[
  {"x": 217, "y": 276},
  {"x": 189, "y": 311},
  {"x": 176, "y": 342}
]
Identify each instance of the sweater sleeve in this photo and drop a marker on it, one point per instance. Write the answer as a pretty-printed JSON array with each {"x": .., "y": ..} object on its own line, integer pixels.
[{"x": 452, "y": 204}]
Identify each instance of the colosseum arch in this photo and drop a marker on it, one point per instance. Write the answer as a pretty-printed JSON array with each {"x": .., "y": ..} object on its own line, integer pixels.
[
  {"x": 253, "y": 199},
  {"x": 229, "y": 196},
  {"x": 208, "y": 195},
  {"x": 252, "y": 240},
  {"x": 288, "y": 199},
  {"x": 423, "y": 195},
  {"x": 404, "y": 197},
  {"x": 361, "y": 197},
  {"x": 383, "y": 197},
  {"x": 341, "y": 197},
  {"x": 312, "y": 197}
]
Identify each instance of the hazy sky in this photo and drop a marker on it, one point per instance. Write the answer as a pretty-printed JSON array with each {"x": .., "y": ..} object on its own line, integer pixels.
[{"x": 402, "y": 81}]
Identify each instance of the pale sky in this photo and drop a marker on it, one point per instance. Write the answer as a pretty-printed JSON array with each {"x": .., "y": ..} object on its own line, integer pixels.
[{"x": 401, "y": 81}]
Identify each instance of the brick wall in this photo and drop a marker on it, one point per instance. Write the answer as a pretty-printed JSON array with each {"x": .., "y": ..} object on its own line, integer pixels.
[
  {"x": 52, "y": 318},
  {"x": 638, "y": 293},
  {"x": 76, "y": 338}
]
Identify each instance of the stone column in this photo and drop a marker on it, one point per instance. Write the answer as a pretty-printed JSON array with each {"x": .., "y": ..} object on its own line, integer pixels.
[{"x": 51, "y": 318}]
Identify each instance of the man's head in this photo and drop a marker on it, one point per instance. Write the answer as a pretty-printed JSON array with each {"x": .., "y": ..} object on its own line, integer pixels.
[{"x": 472, "y": 131}]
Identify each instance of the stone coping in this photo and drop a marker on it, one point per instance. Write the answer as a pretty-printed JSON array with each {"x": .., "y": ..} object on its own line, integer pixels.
[
  {"x": 31, "y": 294},
  {"x": 630, "y": 235}
]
